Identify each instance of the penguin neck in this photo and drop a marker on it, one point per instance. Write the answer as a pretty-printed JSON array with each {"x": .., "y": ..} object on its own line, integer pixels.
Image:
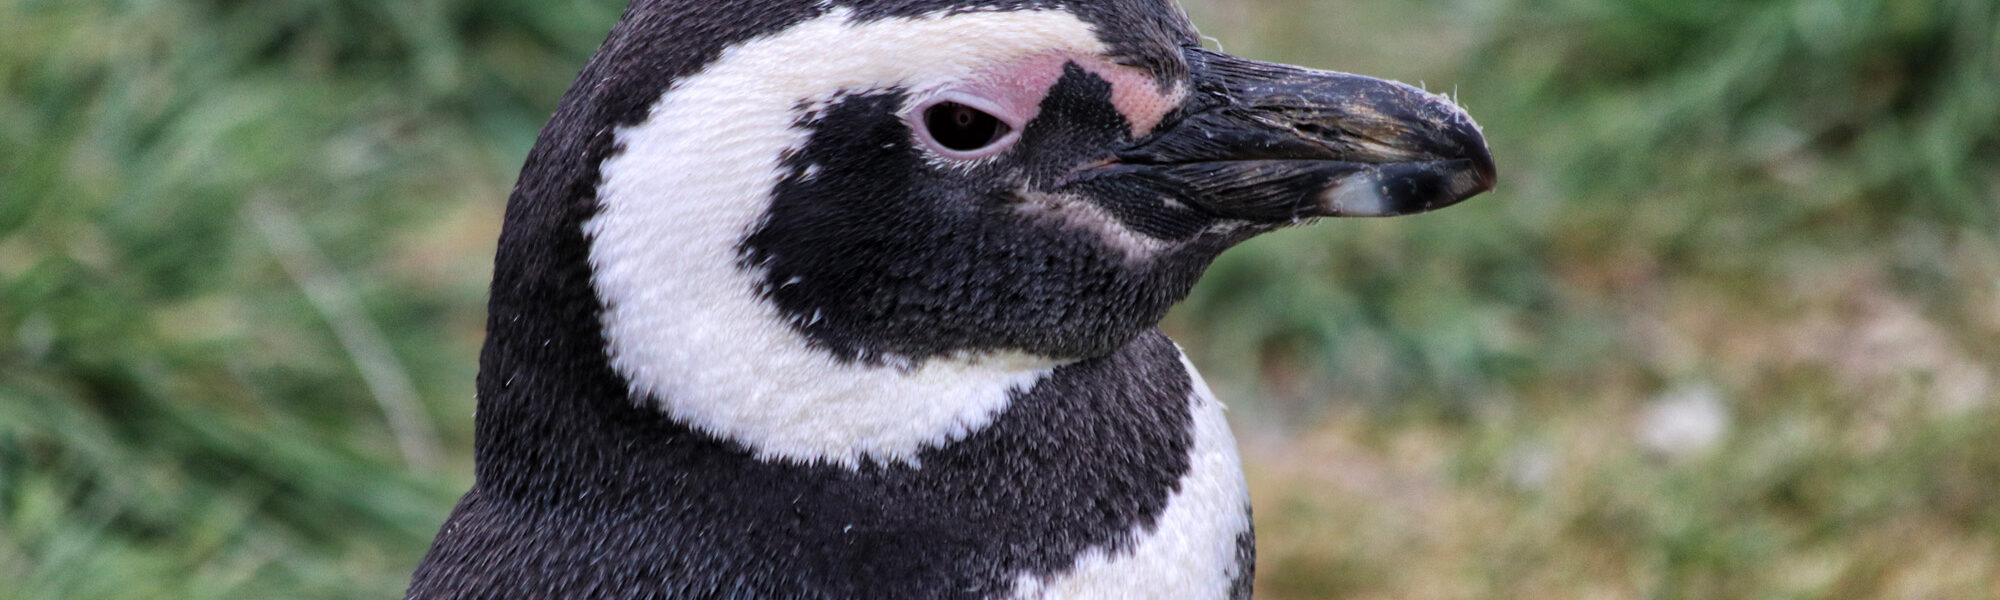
[
  {"x": 553, "y": 367},
  {"x": 1086, "y": 461},
  {"x": 557, "y": 415}
]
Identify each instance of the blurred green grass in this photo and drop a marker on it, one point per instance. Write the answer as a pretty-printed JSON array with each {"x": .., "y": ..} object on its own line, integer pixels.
[{"x": 243, "y": 251}]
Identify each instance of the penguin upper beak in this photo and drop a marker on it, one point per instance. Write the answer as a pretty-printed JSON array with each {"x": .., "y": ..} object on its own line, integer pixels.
[{"x": 1272, "y": 143}]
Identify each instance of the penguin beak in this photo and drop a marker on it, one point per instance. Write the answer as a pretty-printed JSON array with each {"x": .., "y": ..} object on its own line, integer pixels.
[{"x": 1273, "y": 144}]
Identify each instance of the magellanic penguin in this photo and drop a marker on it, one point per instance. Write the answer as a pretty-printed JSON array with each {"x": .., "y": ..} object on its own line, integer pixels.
[{"x": 858, "y": 299}]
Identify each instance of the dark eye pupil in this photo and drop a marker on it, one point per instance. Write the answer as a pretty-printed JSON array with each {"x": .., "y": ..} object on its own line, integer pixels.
[{"x": 962, "y": 128}]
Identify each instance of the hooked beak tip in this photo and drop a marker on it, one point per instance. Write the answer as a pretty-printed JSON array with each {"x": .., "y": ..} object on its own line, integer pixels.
[
  {"x": 1479, "y": 178},
  {"x": 1484, "y": 174},
  {"x": 1461, "y": 167}
]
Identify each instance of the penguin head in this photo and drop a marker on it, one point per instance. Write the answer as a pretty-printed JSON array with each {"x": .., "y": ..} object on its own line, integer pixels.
[{"x": 1043, "y": 179}]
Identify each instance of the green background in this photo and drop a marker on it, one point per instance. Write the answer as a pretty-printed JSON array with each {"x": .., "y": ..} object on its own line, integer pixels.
[{"x": 1729, "y": 327}]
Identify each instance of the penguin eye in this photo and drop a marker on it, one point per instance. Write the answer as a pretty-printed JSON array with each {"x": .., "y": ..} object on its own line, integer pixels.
[
  {"x": 962, "y": 131},
  {"x": 962, "y": 128}
]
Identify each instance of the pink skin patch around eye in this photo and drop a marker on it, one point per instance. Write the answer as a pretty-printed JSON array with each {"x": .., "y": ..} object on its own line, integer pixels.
[
  {"x": 1137, "y": 95},
  {"x": 1014, "y": 92}
]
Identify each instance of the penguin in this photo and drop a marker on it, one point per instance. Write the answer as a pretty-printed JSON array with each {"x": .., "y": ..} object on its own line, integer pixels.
[{"x": 830, "y": 299}]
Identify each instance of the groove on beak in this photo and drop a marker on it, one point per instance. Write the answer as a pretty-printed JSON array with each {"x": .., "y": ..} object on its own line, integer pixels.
[{"x": 1274, "y": 143}]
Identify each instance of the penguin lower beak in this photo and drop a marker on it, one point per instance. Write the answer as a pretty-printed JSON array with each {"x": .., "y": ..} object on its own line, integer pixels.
[{"x": 1271, "y": 143}]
